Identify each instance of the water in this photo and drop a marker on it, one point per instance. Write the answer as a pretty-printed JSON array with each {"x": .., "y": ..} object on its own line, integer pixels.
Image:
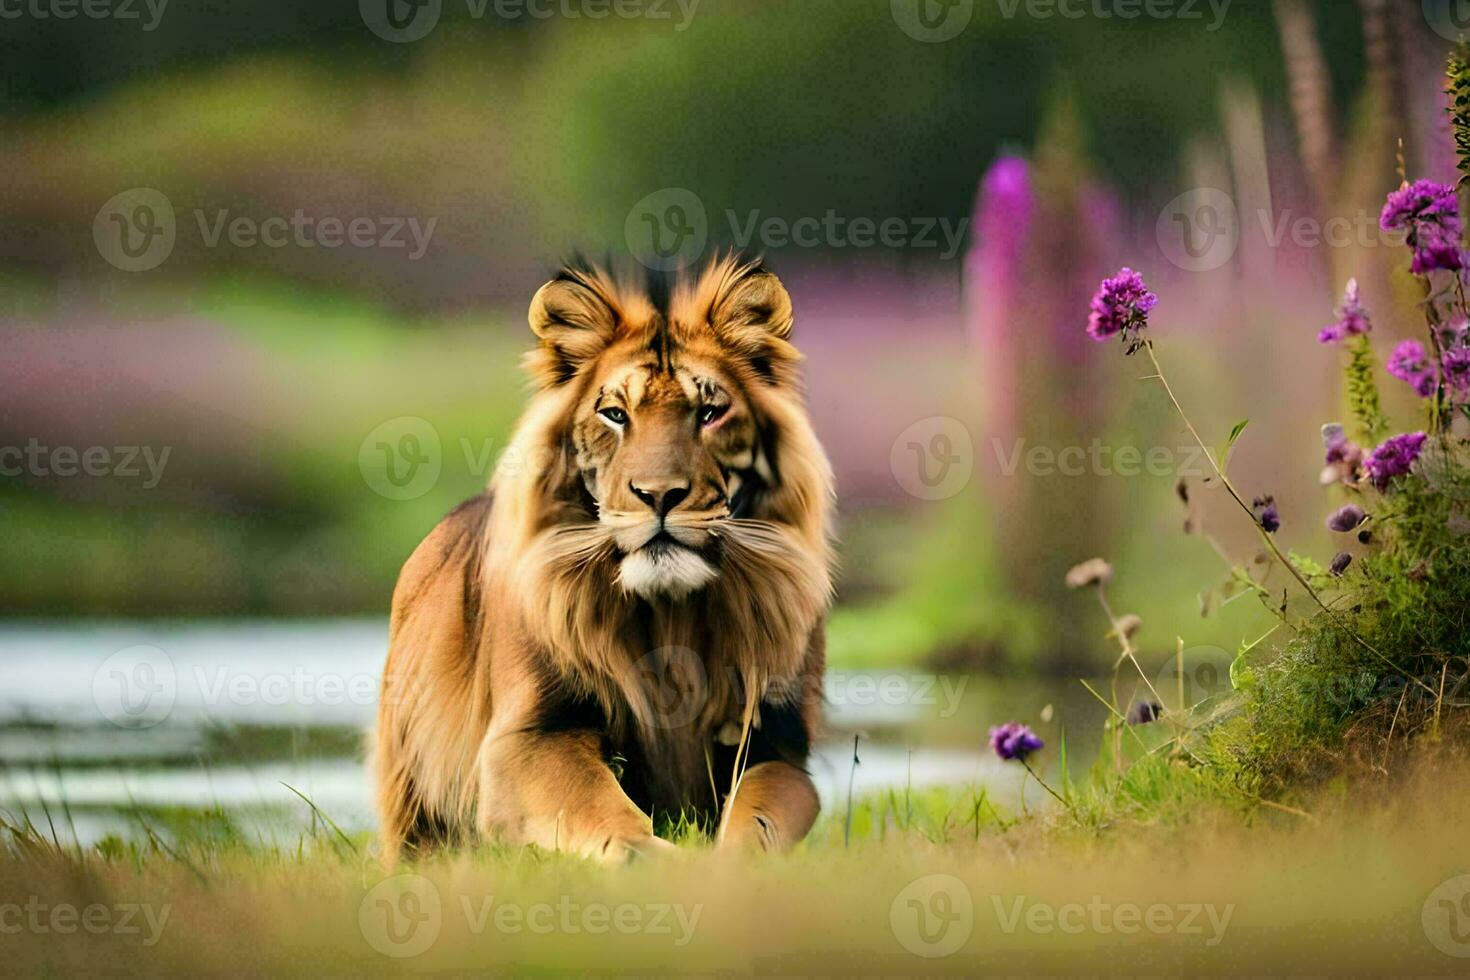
[{"x": 101, "y": 724}]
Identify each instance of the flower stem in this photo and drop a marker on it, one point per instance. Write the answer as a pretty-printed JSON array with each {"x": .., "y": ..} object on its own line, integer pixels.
[
  {"x": 1264, "y": 534},
  {"x": 1044, "y": 786},
  {"x": 1126, "y": 645},
  {"x": 1440, "y": 406}
]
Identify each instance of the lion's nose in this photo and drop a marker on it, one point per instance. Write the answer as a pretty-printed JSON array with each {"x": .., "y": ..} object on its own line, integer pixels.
[{"x": 661, "y": 496}]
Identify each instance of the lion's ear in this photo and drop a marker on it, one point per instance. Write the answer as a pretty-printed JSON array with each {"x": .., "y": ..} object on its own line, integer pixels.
[
  {"x": 574, "y": 322},
  {"x": 751, "y": 315},
  {"x": 756, "y": 301}
]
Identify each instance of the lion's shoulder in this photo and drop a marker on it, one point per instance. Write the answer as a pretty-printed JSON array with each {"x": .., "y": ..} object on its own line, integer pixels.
[{"x": 445, "y": 567}]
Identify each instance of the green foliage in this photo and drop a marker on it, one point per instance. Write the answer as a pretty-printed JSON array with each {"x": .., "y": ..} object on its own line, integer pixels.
[
  {"x": 1362, "y": 391},
  {"x": 1235, "y": 433},
  {"x": 1458, "y": 86},
  {"x": 1391, "y": 656}
]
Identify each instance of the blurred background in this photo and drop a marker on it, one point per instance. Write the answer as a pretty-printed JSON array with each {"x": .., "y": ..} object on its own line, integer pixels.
[{"x": 265, "y": 267}]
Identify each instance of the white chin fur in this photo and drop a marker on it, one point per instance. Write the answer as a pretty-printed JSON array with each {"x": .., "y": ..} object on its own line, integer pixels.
[{"x": 669, "y": 572}]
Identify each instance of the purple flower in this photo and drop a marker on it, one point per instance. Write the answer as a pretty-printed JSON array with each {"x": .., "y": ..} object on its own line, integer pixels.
[
  {"x": 1266, "y": 514},
  {"x": 1428, "y": 214},
  {"x": 1340, "y": 562},
  {"x": 1456, "y": 333},
  {"x": 1410, "y": 363},
  {"x": 1394, "y": 458},
  {"x": 1346, "y": 518},
  {"x": 1121, "y": 306},
  {"x": 1343, "y": 456},
  {"x": 1144, "y": 712},
  {"x": 1421, "y": 201},
  {"x": 1436, "y": 248},
  {"x": 1457, "y": 369},
  {"x": 1013, "y": 740},
  {"x": 1352, "y": 317}
]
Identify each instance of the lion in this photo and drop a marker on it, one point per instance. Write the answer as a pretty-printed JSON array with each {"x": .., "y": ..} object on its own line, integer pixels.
[{"x": 629, "y": 624}]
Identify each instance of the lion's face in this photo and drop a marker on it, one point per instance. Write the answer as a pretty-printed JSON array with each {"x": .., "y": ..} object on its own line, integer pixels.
[
  {"x": 665, "y": 450},
  {"x": 672, "y": 423}
]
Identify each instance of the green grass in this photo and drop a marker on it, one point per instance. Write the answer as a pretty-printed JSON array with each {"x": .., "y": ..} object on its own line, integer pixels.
[{"x": 1341, "y": 889}]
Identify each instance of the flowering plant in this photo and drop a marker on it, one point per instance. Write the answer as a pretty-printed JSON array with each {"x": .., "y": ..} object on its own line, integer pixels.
[{"x": 1386, "y": 611}]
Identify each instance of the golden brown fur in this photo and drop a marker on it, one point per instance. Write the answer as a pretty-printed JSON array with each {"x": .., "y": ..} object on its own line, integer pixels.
[{"x": 647, "y": 589}]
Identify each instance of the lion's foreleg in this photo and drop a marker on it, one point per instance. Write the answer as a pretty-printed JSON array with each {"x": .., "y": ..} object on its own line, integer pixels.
[
  {"x": 774, "y": 807},
  {"x": 555, "y": 790}
]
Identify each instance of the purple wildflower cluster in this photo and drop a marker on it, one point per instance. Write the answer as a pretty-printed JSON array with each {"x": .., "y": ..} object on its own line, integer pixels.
[
  {"x": 1411, "y": 364},
  {"x": 1266, "y": 514},
  {"x": 1394, "y": 458},
  {"x": 1428, "y": 214},
  {"x": 1352, "y": 318},
  {"x": 1121, "y": 306},
  {"x": 1014, "y": 740},
  {"x": 1457, "y": 371},
  {"x": 1346, "y": 518}
]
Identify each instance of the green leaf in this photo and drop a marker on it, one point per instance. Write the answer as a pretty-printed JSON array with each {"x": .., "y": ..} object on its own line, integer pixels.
[
  {"x": 1230, "y": 443},
  {"x": 1241, "y": 675}
]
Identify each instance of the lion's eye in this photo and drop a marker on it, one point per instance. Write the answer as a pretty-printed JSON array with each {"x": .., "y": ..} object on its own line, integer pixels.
[
  {"x": 709, "y": 414},
  {"x": 615, "y": 415}
]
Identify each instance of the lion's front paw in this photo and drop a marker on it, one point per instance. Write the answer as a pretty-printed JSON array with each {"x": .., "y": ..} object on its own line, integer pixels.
[
  {"x": 626, "y": 850},
  {"x": 755, "y": 832}
]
